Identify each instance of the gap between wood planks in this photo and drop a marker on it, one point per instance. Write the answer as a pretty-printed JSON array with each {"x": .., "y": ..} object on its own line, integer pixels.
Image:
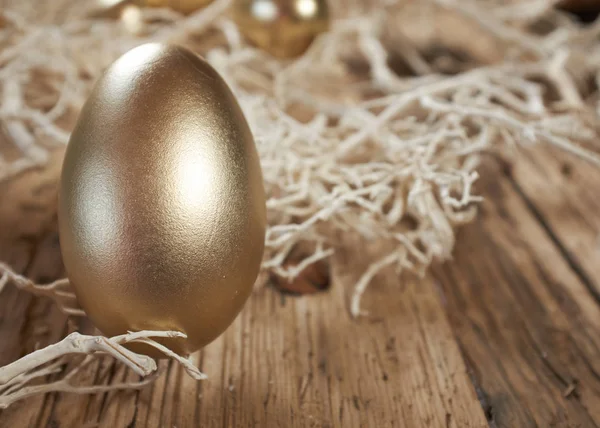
[
  {"x": 524, "y": 314},
  {"x": 562, "y": 195}
]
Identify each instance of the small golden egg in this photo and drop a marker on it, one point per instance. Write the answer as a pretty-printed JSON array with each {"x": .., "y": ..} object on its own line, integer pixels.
[
  {"x": 161, "y": 208},
  {"x": 183, "y": 6},
  {"x": 284, "y": 28}
]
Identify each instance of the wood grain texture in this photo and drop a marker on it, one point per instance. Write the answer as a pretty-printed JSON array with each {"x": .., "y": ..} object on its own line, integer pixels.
[
  {"x": 562, "y": 193},
  {"x": 507, "y": 334},
  {"x": 285, "y": 362},
  {"x": 526, "y": 323}
]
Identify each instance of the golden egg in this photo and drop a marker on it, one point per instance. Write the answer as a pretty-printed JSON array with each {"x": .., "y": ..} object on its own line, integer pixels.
[
  {"x": 183, "y": 6},
  {"x": 284, "y": 28},
  {"x": 161, "y": 206}
]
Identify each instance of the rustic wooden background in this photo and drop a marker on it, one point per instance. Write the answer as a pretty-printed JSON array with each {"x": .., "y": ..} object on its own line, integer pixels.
[{"x": 505, "y": 335}]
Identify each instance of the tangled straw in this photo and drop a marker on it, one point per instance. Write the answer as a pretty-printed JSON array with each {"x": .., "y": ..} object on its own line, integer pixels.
[
  {"x": 347, "y": 143},
  {"x": 15, "y": 377}
]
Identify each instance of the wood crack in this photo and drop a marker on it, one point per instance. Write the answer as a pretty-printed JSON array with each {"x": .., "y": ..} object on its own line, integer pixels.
[
  {"x": 486, "y": 405},
  {"x": 564, "y": 252}
]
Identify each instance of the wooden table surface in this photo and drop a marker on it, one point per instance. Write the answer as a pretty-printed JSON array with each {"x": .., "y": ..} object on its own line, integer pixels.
[{"x": 507, "y": 334}]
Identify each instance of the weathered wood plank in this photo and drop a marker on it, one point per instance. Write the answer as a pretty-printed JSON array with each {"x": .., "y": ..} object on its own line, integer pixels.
[
  {"x": 29, "y": 242},
  {"x": 526, "y": 323},
  {"x": 284, "y": 362},
  {"x": 304, "y": 362}
]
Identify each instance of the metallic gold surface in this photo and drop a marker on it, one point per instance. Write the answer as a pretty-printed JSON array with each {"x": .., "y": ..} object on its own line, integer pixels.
[
  {"x": 183, "y": 6},
  {"x": 284, "y": 28},
  {"x": 111, "y": 9},
  {"x": 162, "y": 208}
]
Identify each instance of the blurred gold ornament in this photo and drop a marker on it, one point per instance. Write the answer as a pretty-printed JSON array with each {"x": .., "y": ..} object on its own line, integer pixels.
[
  {"x": 131, "y": 17},
  {"x": 284, "y": 28},
  {"x": 183, "y": 6},
  {"x": 109, "y": 9}
]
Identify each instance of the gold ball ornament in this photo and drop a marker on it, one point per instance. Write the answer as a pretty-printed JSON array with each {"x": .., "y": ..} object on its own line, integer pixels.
[
  {"x": 162, "y": 211},
  {"x": 183, "y": 6},
  {"x": 284, "y": 28}
]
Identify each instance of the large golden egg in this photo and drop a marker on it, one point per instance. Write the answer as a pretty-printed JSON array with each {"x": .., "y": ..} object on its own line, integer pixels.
[
  {"x": 284, "y": 28},
  {"x": 161, "y": 208}
]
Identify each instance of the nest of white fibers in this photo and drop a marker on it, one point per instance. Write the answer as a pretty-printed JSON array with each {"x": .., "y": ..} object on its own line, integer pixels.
[{"x": 377, "y": 130}]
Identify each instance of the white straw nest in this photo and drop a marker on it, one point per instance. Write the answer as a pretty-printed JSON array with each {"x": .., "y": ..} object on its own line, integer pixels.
[{"x": 346, "y": 143}]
